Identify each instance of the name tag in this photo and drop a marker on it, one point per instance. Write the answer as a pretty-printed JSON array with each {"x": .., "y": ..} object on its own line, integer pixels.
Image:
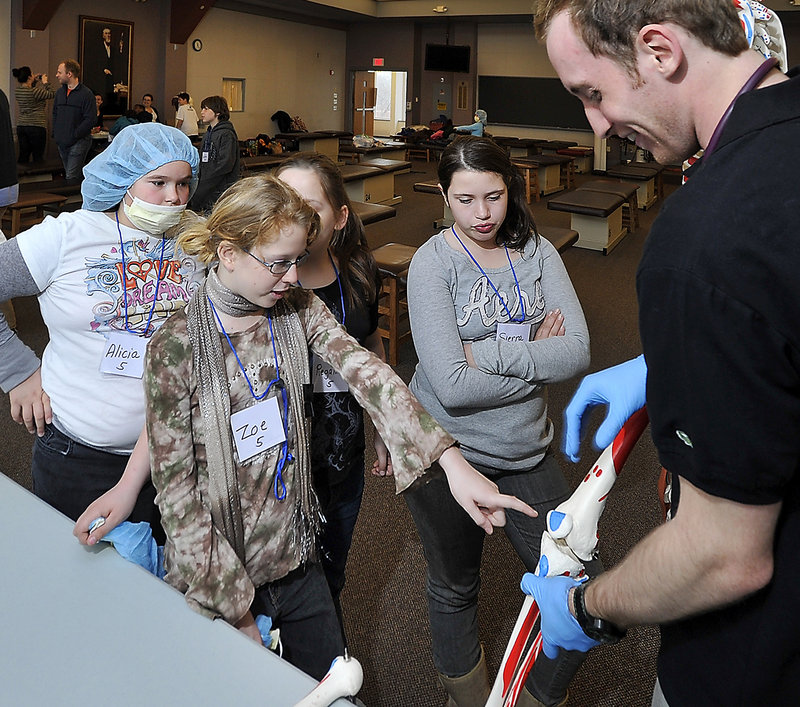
[
  {"x": 257, "y": 428},
  {"x": 509, "y": 331},
  {"x": 124, "y": 355},
  {"x": 326, "y": 377},
  {"x": 204, "y": 157}
]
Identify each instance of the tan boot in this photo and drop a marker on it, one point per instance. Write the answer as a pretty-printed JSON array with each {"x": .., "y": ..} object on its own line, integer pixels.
[
  {"x": 526, "y": 699},
  {"x": 470, "y": 690}
]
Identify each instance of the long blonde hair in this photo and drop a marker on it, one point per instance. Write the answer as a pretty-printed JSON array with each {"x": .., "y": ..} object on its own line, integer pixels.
[{"x": 251, "y": 212}]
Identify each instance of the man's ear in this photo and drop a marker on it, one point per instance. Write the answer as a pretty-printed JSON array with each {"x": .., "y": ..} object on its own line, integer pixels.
[{"x": 659, "y": 49}]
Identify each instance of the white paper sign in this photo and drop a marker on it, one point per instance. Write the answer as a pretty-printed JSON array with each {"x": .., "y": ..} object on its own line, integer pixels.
[
  {"x": 124, "y": 355},
  {"x": 326, "y": 377},
  {"x": 510, "y": 331},
  {"x": 257, "y": 428}
]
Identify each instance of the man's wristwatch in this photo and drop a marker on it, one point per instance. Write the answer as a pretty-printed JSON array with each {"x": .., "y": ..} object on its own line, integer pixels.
[{"x": 598, "y": 629}]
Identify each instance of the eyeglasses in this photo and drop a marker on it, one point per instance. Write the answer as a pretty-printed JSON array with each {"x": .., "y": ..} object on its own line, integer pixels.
[{"x": 281, "y": 267}]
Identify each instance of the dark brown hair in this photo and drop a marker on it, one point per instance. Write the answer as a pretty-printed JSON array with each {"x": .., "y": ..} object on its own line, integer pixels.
[
  {"x": 218, "y": 104},
  {"x": 482, "y": 154}
]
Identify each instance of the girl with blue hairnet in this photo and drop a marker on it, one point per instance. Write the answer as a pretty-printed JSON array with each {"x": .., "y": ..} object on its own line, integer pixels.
[{"x": 106, "y": 276}]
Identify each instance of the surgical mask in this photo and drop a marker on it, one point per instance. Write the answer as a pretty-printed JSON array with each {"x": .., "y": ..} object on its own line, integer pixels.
[{"x": 152, "y": 218}]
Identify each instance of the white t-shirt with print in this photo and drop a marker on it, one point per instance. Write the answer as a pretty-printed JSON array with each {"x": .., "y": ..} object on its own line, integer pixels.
[{"x": 76, "y": 262}]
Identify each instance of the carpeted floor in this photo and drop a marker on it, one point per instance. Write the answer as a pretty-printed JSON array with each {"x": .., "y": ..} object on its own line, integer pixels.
[{"x": 383, "y": 601}]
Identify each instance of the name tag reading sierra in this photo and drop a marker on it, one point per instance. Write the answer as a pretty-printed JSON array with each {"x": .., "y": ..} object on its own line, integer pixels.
[
  {"x": 124, "y": 355},
  {"x": 509, "y": 331},
  {"x": 326, "y": 377},
  {"x": 257, "y": 428}
]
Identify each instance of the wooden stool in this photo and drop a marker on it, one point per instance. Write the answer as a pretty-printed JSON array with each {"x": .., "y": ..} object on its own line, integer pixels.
[
  {"x": 418, "y": 151},
  {"x": 530, "y": 173},
  {"x": 29, "y": 209},
  {"x": 393, "y": 260}
]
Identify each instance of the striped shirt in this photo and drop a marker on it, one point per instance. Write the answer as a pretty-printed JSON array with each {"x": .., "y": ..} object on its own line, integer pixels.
[{"x": 31, "y": 101}]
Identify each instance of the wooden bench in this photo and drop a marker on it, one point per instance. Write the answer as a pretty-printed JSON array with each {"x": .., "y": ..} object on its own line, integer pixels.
[
  {"x": 29, "y": 209},
  {"x": 647, "y": 176},
  {"x": 259, "y": 163},
  {"x": 549, "y": 170},
  {"x": 583, "y": 156},
  {"x": 596, "y": 216},
  {"x": 530, "y": 173},
  {"x": 627, "y": 190},
  {"x": 372, "y": 213},
  {"x": 520, "y": 147}
]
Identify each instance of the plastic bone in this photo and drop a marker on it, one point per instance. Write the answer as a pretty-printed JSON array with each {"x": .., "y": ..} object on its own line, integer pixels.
[{"x": 344, "y": 679}]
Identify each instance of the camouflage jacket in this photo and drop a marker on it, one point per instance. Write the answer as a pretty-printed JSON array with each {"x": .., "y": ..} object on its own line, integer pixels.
[{"x": 199, "y": 560}]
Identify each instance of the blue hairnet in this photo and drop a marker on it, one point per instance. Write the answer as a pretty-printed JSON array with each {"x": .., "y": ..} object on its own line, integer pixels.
[
  {"x": 135, "y": 151},
  {"x": 481, "y": 115}
]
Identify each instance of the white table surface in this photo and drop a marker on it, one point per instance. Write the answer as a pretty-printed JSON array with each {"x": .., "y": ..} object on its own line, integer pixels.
[{"x": 82, "y": 626}]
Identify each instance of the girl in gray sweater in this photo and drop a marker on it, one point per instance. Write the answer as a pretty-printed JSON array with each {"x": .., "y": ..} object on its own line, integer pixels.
[{"x": 494, "y": 318}]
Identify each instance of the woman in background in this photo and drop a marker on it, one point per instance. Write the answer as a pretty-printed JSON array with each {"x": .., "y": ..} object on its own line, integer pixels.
[{"x": 32, "y": 94}]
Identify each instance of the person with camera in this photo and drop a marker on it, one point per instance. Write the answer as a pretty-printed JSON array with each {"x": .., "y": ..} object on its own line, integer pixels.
[{"x": 32, "y": 93}]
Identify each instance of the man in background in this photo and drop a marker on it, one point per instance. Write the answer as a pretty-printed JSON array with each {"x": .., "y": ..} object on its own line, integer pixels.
[{"x": 74, "y": 114}]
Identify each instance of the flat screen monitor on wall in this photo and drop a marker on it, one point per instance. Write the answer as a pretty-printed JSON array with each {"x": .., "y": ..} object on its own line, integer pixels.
[{"x": 447, "y": 57}]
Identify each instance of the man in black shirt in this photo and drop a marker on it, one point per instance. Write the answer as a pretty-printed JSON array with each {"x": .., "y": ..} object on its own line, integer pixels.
[{"x": 719, "y": 313}]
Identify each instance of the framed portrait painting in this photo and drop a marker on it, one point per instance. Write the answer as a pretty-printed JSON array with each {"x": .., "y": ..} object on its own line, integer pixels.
[{"x": 105, "y": 59}]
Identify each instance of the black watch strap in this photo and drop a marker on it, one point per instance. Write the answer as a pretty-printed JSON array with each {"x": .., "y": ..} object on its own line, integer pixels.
[{"x": 598, "y": 629}]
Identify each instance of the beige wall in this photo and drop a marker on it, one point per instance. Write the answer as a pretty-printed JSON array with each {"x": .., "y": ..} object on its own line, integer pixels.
[
  {"x": 512, "y": 50},
  {"x": 286, "y": 66}
]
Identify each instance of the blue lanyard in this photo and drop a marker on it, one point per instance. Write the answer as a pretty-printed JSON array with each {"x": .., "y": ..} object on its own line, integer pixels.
[
  {"x": 125, "y": 289},
  {"x": 491, "y": 284},
  {"x": 285, "y": 455}
]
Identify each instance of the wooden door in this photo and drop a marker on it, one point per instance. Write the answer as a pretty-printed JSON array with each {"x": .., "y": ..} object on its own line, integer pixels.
[{"x": 364, "y": 103}]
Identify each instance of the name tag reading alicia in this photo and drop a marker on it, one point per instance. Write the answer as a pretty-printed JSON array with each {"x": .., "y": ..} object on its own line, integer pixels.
[
  {"x": 124, "y": 355},
  {"x": 257, "y": 428},
  {"x": 509, "y": 331},
  {"x": 326, "y": 377}
]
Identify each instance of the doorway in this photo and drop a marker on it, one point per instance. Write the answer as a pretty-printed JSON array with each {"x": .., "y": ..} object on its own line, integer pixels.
[{"x": 379, "y": 102}]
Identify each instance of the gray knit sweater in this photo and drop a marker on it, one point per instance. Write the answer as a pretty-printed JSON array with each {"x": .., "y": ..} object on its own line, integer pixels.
[{"x": 498, "y": 412}]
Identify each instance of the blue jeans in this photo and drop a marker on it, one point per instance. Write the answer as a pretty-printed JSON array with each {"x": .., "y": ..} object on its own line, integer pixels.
[
  {"x": 74, "y": 157},
  {"x": 69, "y": 476},
  {"x": 300, "y": 605},
  {"x": 453, "y": 545}
]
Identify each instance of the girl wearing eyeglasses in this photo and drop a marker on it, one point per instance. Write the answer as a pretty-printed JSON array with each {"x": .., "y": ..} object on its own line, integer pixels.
[{"x": 228, "y": 384}]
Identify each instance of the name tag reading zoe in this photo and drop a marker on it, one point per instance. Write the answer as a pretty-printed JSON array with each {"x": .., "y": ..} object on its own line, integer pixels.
[
  {"x": 509, "y": 331},
  {"x": 124, "y": 355},
  {"x": 257, "y": 428},
  {"x": 326, "y": 377}
]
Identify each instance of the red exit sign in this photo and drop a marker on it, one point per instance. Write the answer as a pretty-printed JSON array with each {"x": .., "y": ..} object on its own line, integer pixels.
[{"x": 377, "y": 61}]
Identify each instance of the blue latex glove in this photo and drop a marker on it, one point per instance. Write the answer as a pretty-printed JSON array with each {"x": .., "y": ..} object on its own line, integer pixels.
[
  {"x": 560, "y": 629},
  {"x": 621, "y": 388}
]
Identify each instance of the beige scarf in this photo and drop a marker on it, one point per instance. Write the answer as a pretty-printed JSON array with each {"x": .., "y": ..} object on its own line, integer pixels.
[{"x": 215, "y": 408}]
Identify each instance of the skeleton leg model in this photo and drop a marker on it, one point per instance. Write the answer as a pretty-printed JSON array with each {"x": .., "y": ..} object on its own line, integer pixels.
[
  {"x": 569, "y": 541},
  {"x": 344, "y": 679}
]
